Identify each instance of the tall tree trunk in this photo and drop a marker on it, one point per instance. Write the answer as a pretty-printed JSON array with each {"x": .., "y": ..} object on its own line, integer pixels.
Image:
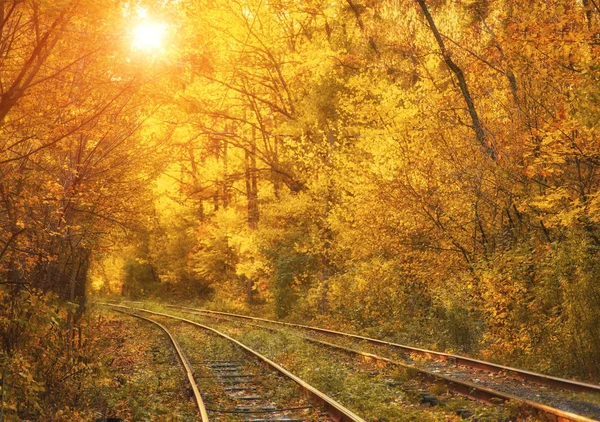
[
  {"x": 252, "y": 198},
  {"x": 275, "y": 175},
  {"x": 216, "y": 144},
  {"x": 325, "y": 254},
  {"x": 225, "y": 182},
  {"x": 462, "y": 83},
  {"x": 249, "y": 192},
  {"x": 253, "y": 184}
]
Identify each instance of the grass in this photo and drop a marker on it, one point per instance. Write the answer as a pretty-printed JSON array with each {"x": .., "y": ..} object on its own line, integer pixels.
[{"x": 142, "y": 379}]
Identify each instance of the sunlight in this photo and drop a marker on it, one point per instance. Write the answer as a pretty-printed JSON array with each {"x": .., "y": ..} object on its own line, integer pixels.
[{"x": 148, "y": 35}]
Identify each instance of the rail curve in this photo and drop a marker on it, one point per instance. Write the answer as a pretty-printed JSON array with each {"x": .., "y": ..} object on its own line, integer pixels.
[{"x": 337, "y": 411}]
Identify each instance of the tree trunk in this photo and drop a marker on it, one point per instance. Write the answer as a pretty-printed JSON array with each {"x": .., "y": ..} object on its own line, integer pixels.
[
  {"x": 225, "y": 182},
  {"x": 275, "y": 176},
  {"x": 325, "y": 254},
  {"x": 462, "y": 83}
]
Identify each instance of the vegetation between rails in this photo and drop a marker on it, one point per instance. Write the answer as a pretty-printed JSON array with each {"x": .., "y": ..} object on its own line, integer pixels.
[{"x": 204, "y": 348}]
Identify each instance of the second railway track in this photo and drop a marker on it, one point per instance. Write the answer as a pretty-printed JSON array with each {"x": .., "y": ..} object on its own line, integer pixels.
[
  {"x": 454, "y": 359},
  {"x": 548, "y": 396}
]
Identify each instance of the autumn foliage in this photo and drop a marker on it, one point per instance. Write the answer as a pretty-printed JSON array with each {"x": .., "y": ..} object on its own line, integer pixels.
[{"x": 419, "y": 170}]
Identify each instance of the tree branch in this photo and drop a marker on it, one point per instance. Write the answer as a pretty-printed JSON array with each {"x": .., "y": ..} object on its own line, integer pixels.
[{"x": 462, "y": 83}]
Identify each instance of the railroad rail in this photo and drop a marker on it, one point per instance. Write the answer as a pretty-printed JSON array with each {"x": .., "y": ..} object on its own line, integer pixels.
[
  {"x": 459, "y": 386},
  {"x": 336, "y": 411},
  {"x": 564, "y": 383},
  {"x": 184, "y": 363}
]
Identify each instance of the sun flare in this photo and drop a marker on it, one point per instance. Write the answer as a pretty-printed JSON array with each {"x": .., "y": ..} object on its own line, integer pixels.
[{"x": 149, "y": 35}]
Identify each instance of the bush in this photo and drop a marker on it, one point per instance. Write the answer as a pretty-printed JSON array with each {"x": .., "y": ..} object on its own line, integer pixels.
[{"x": 48, "y": 357}]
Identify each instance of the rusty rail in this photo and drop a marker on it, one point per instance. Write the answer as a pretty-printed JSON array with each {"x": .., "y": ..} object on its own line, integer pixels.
[
  {"x": 182, "y": 359},
  {"x": 567, "y": 384},
  {"x": 337, "y": 411}
]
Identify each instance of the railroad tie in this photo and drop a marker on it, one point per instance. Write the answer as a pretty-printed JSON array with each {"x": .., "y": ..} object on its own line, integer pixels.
[
  {"x": 248, "y": 398},
  {"x": 223, "y": 365},
  {"x": 232, "y": 381},
  {"x": 234, "y": 389},
  {"x": 275, "y": 419},
  {"x": 229, "y": 376},
  {"x": 250, "y": 410},
  {"x": 428, "y": 398},
  {"x": 464, "y": 413}
]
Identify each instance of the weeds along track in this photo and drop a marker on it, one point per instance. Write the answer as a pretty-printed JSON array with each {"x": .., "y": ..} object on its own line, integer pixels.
[
  {"x": 182, "y": 360},
  {"x": 554, "y": 398},
  {"x": 237, "y": 382}
]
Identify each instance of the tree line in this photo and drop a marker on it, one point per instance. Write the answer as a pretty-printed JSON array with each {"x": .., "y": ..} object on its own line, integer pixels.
[{"x": 424, "y": 165}]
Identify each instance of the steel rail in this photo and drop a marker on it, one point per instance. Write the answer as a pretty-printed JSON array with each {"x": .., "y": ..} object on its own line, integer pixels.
[
  {"x": 456, "y": 359},
  {"x": 337, "y": 411},
  {"x": 464, "y": 388},
  {"x": 182, "y": 359}
]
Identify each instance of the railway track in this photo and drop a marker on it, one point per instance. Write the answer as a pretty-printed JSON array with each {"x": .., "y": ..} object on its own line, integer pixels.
[
  {"x": 542, "y": 394},
  {"x": 184, "y": 363},
  {"x": 236, "y": 382}
]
